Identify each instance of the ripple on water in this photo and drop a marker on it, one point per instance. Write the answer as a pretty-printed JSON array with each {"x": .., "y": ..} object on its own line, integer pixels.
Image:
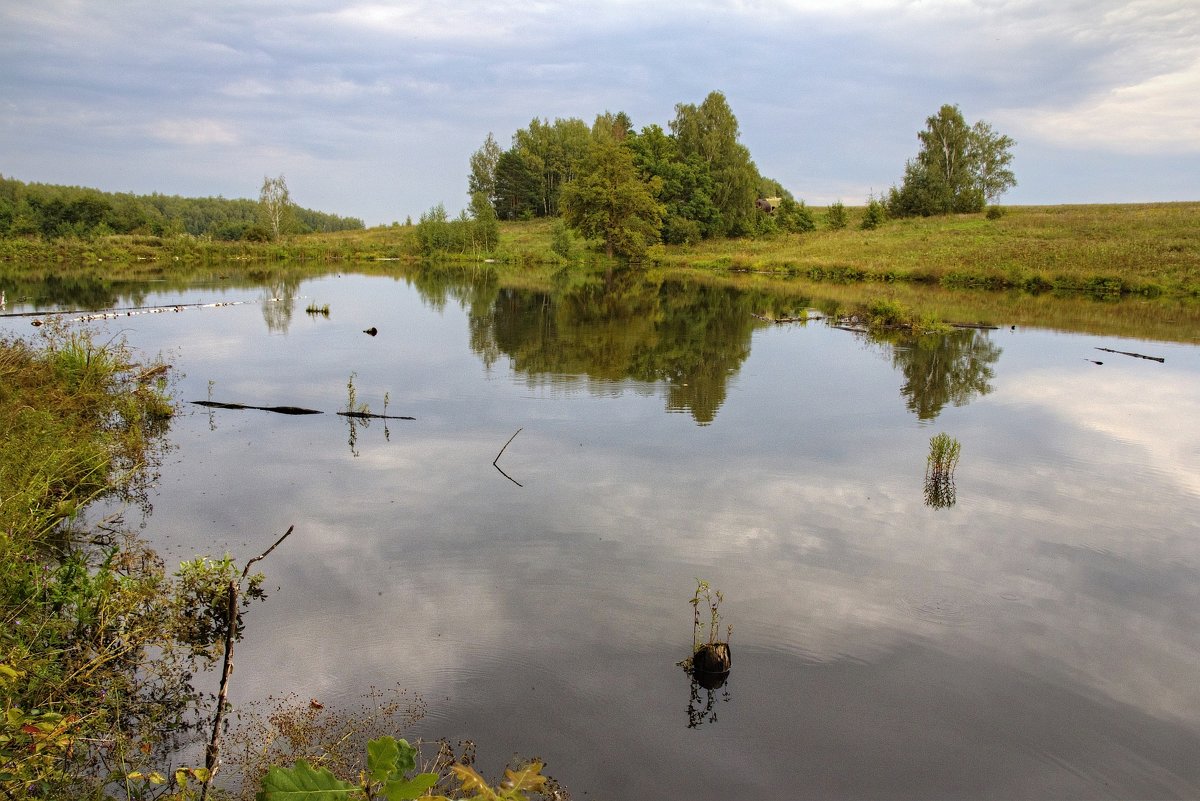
[{"x": 945, "y": 608}]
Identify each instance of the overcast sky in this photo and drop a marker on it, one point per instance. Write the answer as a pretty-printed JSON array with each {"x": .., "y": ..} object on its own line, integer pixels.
[{"x": 372, "y": 109}]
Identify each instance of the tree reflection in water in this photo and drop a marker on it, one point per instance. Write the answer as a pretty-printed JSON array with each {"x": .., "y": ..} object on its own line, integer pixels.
[
  {"x": 621, "y": 325},
  {"x": 618, "y": 326},
  {"x": 939, "y": 369}
]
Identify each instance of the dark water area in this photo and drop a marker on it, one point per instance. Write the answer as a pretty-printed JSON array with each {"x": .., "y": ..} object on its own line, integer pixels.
[{"x": 1033, "y": 632}]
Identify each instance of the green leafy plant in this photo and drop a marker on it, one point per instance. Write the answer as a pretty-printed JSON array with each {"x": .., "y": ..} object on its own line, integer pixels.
[
  {"x": 390, "y": 774},
  {"x": 352, "y": 404},
  {"x": 711, "y": 600}
]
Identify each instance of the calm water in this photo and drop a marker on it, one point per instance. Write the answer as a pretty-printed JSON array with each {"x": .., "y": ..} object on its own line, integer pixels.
[{"x": 1036, "y": 635}]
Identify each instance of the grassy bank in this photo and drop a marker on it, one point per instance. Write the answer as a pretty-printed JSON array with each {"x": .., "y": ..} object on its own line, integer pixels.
[
  {"x": 1105, "y": 250},
  {"x": 79, "y": 610},
  {"x": 1146, "y": 249}
]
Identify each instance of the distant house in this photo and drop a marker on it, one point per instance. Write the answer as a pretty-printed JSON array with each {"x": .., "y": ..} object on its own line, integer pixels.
[{"x": 767, "y": 204}]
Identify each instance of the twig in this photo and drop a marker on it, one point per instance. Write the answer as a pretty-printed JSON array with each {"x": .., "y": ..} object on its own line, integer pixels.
[
  {"x": 501, "y": 453},
  {"x": 266, "y": 553},
  {"x": 212, "y": 753}
]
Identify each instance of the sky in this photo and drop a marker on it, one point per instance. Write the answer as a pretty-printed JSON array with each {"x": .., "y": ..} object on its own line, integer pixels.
[{"x": 372, "y": 109}]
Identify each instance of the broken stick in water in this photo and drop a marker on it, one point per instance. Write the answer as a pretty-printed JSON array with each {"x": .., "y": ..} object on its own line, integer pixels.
[{"x": 501, "y": 453}]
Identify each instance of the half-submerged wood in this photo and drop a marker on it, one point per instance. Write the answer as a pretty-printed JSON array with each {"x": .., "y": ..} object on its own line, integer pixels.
[
  {"x": 712, "y": 658},
  {"x": 711, "y": 664},
  {"x": 275, "y": 409}
]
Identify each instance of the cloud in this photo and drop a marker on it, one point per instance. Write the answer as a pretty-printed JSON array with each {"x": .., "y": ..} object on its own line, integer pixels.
[
  {"x": 1158, "y": 115},
  {"x": 1107, "y": 408},
  {"x": 193, "y": 132},
  {"x": 829, "y": 96}
]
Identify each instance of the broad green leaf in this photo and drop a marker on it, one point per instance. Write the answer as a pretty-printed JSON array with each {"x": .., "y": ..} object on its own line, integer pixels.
[
  {"x": 382, "y": 754},
  {"x": 408, "y": 789},
  {"x": 389, "y": 759},
  {"x": 303, "y": 783},
  {"x": 408, "y": 757}
]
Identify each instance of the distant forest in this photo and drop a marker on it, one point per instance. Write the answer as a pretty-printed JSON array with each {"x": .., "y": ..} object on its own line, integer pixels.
[{"x": 51, "y": 212}]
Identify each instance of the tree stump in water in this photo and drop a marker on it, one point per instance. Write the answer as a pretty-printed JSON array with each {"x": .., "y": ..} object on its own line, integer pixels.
[{"x": 712, "y": 662}]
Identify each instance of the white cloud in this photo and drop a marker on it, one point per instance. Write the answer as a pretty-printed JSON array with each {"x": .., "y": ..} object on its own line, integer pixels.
[
  {"x": 1158, "y": 115},
  {"x": 1171, "y": 446},
  {"x": 193, "y": 132}
]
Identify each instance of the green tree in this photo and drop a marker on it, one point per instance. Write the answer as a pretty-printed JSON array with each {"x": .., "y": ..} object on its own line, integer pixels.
[
  {"x": 990, "y": 154},
  {"x": 483, "y": 170},
  {"x": 610, "y": 202},
  {"x": 710, "y": 132},
  {"x": 485, "y": 230},
  {"x": 685, "y": 186},
  {"x": 517, "y": 186},
  {"x": 618, "y": 125},
  {"x": 554, "y": 153},
  {"x": 275, "y": 206},
  {"x": 958, "y": 168}
]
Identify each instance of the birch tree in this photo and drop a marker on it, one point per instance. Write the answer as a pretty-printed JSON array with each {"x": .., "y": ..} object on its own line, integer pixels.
[{"x": 275, "y": 206}]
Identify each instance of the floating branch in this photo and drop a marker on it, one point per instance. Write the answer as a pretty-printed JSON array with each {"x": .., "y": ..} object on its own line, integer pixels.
[
  {"x": 501, "y": 453},
  {"x": 373, "y": 416},
  {"x": 1159, "y": 359},
  {"x": 276, "y": 409}
]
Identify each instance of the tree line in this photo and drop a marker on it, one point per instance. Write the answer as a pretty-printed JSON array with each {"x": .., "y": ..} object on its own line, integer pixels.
[
  {"x": 51, "y": 211},
  {"x": 695, "y": 180},
  {"x": 632, "y": 188}
]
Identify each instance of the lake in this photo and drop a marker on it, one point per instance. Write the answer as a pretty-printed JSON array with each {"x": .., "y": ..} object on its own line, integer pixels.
[{"x": 1029, "y": 627}]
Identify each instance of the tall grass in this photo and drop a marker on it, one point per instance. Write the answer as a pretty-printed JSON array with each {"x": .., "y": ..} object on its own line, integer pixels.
[{"x": 1145, "y": 249}]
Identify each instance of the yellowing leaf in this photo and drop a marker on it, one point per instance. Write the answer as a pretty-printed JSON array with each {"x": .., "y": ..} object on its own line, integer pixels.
[
  {"x": 472, "y": 782},
  {"x": 527, "y": 778}
]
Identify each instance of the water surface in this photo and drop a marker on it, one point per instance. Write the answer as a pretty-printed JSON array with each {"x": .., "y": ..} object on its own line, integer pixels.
[{"x": 1038, "y": 637}]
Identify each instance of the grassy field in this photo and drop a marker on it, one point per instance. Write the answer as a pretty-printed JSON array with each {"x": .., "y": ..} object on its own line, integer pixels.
[{"x": 1149, "y": 250}]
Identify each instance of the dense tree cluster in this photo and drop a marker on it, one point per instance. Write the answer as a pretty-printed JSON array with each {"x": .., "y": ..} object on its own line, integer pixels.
[
  {"x": 631, "y": 188},
  {"x": 959, "y": 169},
  {"x": 50, "y": 212}
]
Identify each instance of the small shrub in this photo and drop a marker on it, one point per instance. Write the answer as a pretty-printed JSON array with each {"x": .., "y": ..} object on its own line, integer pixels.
[
  {"x": 560, "y": 239},
  {"x": 875, "y": 216},
  {"x": 835, "y": 216}
]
